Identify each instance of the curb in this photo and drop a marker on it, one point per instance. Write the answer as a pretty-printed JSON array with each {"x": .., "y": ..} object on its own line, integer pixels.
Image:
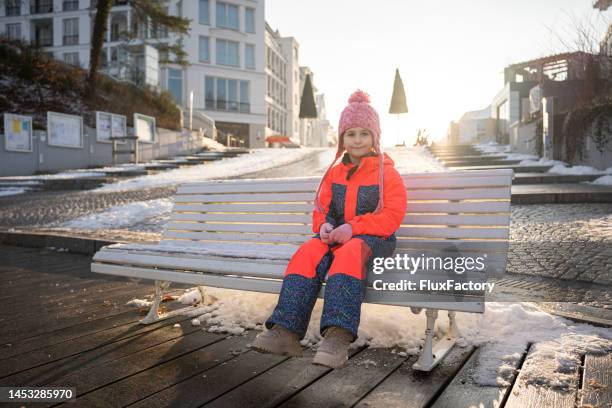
[
  {"x": 78, "y": 245},
  {"x": 561, "y": 198}
]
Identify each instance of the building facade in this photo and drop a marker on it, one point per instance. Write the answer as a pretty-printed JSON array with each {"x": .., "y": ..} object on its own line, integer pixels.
[{"x": 225, "y": 78}]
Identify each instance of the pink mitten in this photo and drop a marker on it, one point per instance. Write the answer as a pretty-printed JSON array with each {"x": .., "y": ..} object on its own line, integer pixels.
[
  {"x": 341, "y": 234},
  {"x": 324, "y": 232}
]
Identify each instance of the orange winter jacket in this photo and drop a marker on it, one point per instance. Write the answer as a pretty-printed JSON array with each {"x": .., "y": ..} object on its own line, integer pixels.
[{"x": 355, "y": 199}]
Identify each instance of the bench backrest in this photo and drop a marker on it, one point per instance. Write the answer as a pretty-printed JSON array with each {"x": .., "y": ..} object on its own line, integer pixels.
[{"x": 453, "y": 214}]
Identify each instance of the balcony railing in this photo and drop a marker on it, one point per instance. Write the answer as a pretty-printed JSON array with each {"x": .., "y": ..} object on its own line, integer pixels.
[
  {"x": 69, "y": 5},
  {"x": 41, "y": 7},
  {"x": 70, "y": 39}
]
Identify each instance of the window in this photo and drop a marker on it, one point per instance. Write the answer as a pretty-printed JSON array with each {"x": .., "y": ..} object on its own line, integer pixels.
[
  {"x": 41, "y": 6},
  {"x": 227, "y": 53},
  {"x": 209, "y": 91},
  {"x": 71, "y": 31},
  {"x": 71, "y": 58},
  {"x": 204, "y": 12},
  {"x": 249, "y": 56},
  {"x": 245, "y": 106},
  {"x": 13, "y": 8},
  {"x": 221, "y": 93},
  {"x": 232, "y": 95},
  {"x": 226, "y": 94},
  {"x": 13, "y": 31},
  {"x": 204, "y": 49},
  {"x": 249, "y": 20},
  {"x": 175, "y": 84},
  {"x": 68, "y": 5},
  {"x": 227, "y": 16}
]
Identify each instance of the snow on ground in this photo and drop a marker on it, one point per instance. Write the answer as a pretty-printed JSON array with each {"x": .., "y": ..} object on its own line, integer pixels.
[
  {"x": 573, "y": 170},
  {"x": 503, "y": 333},
  {"x": 122, "y": 215},
  {"x": 11, "y": 191},
  {"x": 493, "y": 148},
  {"x": 416, "y": 159},
  {"x": 603, "y": 181},
  {"x": 259, "y": 159}
]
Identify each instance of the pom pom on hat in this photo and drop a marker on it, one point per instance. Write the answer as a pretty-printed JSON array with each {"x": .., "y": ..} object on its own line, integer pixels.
[{"x": 359, "y": 96}]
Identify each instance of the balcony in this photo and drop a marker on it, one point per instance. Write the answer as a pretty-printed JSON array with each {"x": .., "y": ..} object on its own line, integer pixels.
[
  {"x": 41, "y": 6},
  {"x": 42, "y": 32}
]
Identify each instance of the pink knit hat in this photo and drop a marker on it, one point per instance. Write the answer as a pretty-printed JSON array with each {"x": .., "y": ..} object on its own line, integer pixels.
[{"x": 358, "y": 113}]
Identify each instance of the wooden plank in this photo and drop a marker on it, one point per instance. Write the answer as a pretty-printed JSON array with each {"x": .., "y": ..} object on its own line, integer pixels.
[
  {"x": 525, "y": 395},
  {"x": 463, "y": 391},
  {"x": 233, "y": 217},
  {"x": 249, "y": 267},
  {"x": 61, "y": 320},
  {"x": 240, "y": 227},
  {"x": 212, "y": 380},
  {"x": 597, "y": 381},
  {"x": 482, "y": 246},
  {"x": 256, "y": 207},
  {"x": 407, "y": 388},
  {"x": 88, "y": 328},
  {"x": 455, "y": 182},
  {"x": 462, "y": 232},
  {"x": 475, "y": 220},
  {"x": 51, "y": 363},
  {"x": 459, "y": 207},
  {"x": 460, "y": 194},
  {"x": 186, "y": 341},
  {"x": 221, "y": 237},
  {"x": 346, "y": 386},
  {"x": 245, "y": 198},
  {"x": 277, "y": 384}
]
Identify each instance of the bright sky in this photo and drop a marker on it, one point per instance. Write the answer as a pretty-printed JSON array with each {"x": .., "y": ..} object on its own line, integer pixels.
[{"x": 451, "y": 54}]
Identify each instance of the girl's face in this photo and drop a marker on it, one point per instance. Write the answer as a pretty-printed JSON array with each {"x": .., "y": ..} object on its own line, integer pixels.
[{"x": 358, "y": 142}]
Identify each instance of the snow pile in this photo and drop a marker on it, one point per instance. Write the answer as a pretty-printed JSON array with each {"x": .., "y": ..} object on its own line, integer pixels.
[
  {"x": 503, "y": 332},
  {"x": 122, "y": 215},
  {"x": 521, "y": 156},
  {"x": 139, "y": 303},
  {"x": 573, "y": 170},
  {"x": 541, "y": 162},
  {"x": 493, "y": 147},
  {"x": 603, "y": 181},
  {"x": 259, "y": 159}
]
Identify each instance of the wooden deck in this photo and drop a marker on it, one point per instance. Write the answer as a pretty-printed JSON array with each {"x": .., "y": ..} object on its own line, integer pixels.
[{"x": 64, "y": 326}]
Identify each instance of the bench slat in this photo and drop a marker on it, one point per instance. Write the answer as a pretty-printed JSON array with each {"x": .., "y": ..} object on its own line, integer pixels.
[
  {"x": 439, "y": 301},
  {"x": 462, "y": 194},
  {"x": 412, "y": 219},
  {"x": 214, "y": 236},
  {"x": 413, "y": 207},
  {"x": 421, "y": 232},
  {"x": 241, "y": 227},
  {"x": 244, "y": 198}
]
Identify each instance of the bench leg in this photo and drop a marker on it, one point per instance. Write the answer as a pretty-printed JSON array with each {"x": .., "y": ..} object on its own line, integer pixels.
[
  {"x": 432, "y": 354},
  {"x": 154, "y": 315}
]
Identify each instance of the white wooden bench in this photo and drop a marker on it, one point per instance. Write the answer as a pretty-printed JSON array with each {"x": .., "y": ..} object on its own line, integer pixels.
[{"x": 240, "y": 234}]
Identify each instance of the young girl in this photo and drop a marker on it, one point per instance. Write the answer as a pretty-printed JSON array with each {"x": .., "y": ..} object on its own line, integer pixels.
[{"x": 359, "y": 205}]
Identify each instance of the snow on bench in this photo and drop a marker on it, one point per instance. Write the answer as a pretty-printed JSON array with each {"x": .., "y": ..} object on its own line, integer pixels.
[{"x": 240, "y": 234}]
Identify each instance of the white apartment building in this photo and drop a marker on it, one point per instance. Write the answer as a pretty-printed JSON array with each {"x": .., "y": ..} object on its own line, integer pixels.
[
  {"x": 276, "y": 84},
  {"x": 225, "y": 50}
]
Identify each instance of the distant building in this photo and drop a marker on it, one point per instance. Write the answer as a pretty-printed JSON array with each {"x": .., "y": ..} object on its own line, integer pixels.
[
  {"x": 225, "y": 51},
  {"x": 475, "y": 127}
]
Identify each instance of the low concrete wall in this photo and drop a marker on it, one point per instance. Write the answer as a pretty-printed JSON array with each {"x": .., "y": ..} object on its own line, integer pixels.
[{"x": 45, "y": 158}]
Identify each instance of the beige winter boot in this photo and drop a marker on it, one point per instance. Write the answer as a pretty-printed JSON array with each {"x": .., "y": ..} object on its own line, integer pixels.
[
  {"x": 333, "y": 350},
  {"x": 278, "y": 340}
]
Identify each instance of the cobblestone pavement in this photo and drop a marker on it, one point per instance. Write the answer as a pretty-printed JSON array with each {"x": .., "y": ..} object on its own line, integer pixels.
[{"x": 567, "y": 241}]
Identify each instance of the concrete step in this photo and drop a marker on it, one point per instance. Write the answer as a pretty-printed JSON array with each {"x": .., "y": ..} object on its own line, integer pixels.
[
  {"x": 457, "y": 163},
  {"x": 544, "y": 178},
  {"x": 541, "y": 168},
  {"x": 564, "y": 193}
]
